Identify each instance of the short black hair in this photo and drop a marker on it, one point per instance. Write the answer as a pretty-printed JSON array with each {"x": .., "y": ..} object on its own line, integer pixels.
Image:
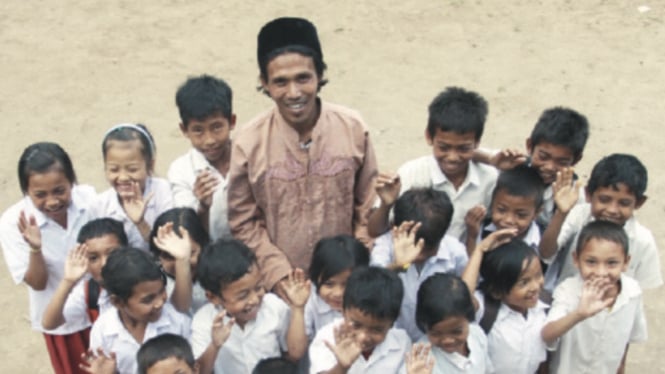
[
  {"x": 619, "y": 168},
  {"x": 125, "y": 268},
  {"x": 602, "y": 230},
  {"x": 203, "y": 96},
  {"x": 41, "y": 158},
  {"x": 127, "y": 133},
  {"x": 275, "y": 365},
  {"x": 457, "y": 110},
  {"x": 522, "y": 181},
  {"x": 334, "y": 255},
  {"x": 317, "y": 59},
  {"x": 180, "y": 217},
  {"x": 563, "y": 127},
  {"x": 162, "y": 347},
  {"x": 501, "y": 268},
  {"x": 100, "y": 227},
  {"x": 375, "y": 291},
  {"x": 432, "y": 208},
  {"x": 223, "y": 262},
  {"x": 443, "y": 296}
]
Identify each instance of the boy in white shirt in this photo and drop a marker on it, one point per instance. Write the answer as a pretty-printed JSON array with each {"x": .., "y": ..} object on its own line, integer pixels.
[
  {"x": 198, "y": 178},
  {"x": 364, "y": 341},
  {"x": 596, "y": 314},
  {"x": 242, "y": 324}
]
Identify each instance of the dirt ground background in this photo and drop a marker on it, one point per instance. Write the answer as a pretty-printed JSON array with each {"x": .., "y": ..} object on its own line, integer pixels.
[{"x": 71, "y": 69}]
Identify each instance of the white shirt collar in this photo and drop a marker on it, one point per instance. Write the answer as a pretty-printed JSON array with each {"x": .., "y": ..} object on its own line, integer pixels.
[{"x": 439, "y": 178}]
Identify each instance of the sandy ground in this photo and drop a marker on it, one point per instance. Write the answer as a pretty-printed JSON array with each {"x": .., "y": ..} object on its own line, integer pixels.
[{"x": 71, "y": 69}]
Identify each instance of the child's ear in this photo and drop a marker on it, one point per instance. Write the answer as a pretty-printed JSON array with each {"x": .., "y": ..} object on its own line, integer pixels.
[
  {"x": 625, "y": 264},
  {"x": 529, "y": 146},
  {"x": 587, "y": 194},
  {"x": 640, "y": 202},
  {"x": 576, "y": 259},
  {"x": 183, "y": 129},
  {"x": 232, "y": 121},
  {"x": 214, "y": 299},
  {"x": 428, "y": 137},
  {"x": 577, "y": 159},
  {"x": 116, "y": 301}
]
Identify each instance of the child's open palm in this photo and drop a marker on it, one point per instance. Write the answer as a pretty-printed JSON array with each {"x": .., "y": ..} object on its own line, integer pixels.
[
  {"x": 135, "y": 205},
  {"x": 418, "y": 360},
  {"x": 404, "y": 242},
  {"x": 387, "y": 187},
  {"x": 594, "y": 297},
  {"x": 347, "y": 348},
  {"x": 508, "y": 158},
  {"x": 29, "y": 229},
  {"x": 496, "y": 239},
  {"x": 221, "y": 331},
  {"x": 473, "y": 219},
  {"x": 297, "y": 288},
  {"x": 566, "y": 190},
  {"x": 76, "y": 264},
  {"x": 98, "y": 363},
  {"x": 178, "y": 246}
]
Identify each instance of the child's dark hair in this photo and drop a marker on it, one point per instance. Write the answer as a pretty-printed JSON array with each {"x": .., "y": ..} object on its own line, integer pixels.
[
  {"x": 223, "y": 262},
  {"x": 375, "y": 291},
  {"x": 459, "y": 111},
  {"x": 319, "y": 65},
  {"x": 432, "y": 208},
  {"x": 522, "y": 181},
  {"x": 201, "y": 97},
  {"x": 619, "y": 168},
  {"x": 41, "y": 158},
  {"x": 502, "y": 267},
  {"x": 563, "y": 127},
  {"x": 100, "y": 227},
  {"x": 442, "y": 296},
  {"x": 334, "y": 255},
  {"x": 602, "y": 230},
  {"x": 125, "y": 268},
  {"x": 180, "y": 217},
  {"x": 161, "y": 348},
  {"x": 275, "y": 365},
  {"x": 128, "y": 132}
]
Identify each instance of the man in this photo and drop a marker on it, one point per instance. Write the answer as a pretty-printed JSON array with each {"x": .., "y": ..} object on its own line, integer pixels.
[{"x": 303, "y": 170}]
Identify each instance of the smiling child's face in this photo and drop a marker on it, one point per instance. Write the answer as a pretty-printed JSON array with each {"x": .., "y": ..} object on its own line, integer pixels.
[
  {"x": 450, "y": 334},
  {"x": 549, "y": 159},
  {"x": 125, "y": 165},
  {"x": 242, "y": 298}
]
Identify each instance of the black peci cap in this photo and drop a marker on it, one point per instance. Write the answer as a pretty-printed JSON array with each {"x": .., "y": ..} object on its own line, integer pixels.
[{"x": 287, "y": 31}]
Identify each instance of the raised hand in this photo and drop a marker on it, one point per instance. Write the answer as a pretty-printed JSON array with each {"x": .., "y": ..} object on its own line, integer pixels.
[
  {"x": 221, "y": 331},
  {"x": 204, "y": 187},
  {"x": 387, "y": 187},
  {"x": 27, "y": 226},
  {"x": 566, "y": 190},
  {"x": 496, "y": 239},
  {"x": 178, "y": 246},
  {"x": 473, "y": 219},
  {"x": 508, "y": 158},
  {"x": 347, "y": 346},
  {"x": 418, "y": 360},
  {"x": 76, "y": 264},
  {"x": 404, "y": 243},
  {"x": 98, "y": 363},
  {"x": 297, "y": 288},
  {"x": 594, "y": 297},
  {"x": 134, "y": 204}
]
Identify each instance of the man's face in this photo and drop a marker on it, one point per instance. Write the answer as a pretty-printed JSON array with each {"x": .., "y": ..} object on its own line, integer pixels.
[{"x": 293, "y": 84}]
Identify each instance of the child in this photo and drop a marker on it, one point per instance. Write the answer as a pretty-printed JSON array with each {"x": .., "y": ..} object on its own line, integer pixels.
[
  {"x": 275, "y": 365},
  {"x": 177, "y": 239},
  {"x": 136, "y": 286},
  {"x": 509, "y": 310},
  {"x": 36, "y": 234},
  {"x": 365, "y": 340},
  {"x": 333, "y": 261},
  {"x": 457, "y": 345},
  {"x": 198, "y": 178},
  {"x": 242, "y": 324},
  {"x": 596, "y": 314},
  {"x": 421, "y": 215},
  {"x": 455, "y": 126},
  {"x": 135, "y": 198},
  {"x": 615, "y": 190},
  {"x": 96, "y": 240}
]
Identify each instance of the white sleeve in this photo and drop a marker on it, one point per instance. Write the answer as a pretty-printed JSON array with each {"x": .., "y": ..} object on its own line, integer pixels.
[
  {"x": 14, "y": 248},
  {"x": 181, "y": 189},
  {"x": 647, "y": 271},
  {"x": 572, "y": 225},
  {"x": 382, "y": 253},
  {"x": 163, "y": 197},
  {"x": 321, "y": 357},
  {"x": 639, "y": 331},
  {"x": 284, "y": 315},
  {"x": 563, "y": 302},
  {"x": 201, "y": 330}
]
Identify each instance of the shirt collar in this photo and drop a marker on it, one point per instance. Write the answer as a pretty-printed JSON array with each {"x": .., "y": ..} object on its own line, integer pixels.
[
  {"x": 438, "y": 178},
  {"x": 507, "y": 312}
]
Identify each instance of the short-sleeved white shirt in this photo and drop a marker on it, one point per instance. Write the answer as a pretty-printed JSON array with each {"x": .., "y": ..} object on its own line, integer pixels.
[
  {"x": 199, "y": 298},
  {"x": 56, "y": 244},
  {"x": 476, "y": 188},
  {"x": 644, "y": 265},
  {"x": 77, "y": 302},
  {"x": 387, "y": 357},
  {"x": 182, "y": 175},
  {"x": 597, "y": 344},
  {"x": 477, "y": 362},
  {"x": 261, "y": 338},
  {"x": 450, "y": 258},
  {"x": 318, "y": 314},
  {"x": 109, "y": 333},
  {"x": 514, "y": 342},
  {"x": 107, "y": 205}
]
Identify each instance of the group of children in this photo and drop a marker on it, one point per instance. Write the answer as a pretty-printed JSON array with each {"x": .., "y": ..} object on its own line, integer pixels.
[{"x": 483, "y": 262}]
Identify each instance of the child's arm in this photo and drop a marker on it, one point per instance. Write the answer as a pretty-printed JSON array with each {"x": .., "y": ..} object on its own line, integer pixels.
[
  {"x": 503, "y": 160},
  {"x": 204, "y": 187},
  {"x": 419, "y": 361},
  {"x": 75, "y": 268},
  {"x": 405, "y": 247},
  {"x": 297, "y": 290},
  {"x": 387, "y": 187},
  {"x": 592, "y": 301},
  {"x": 36, "y": 275},
  {"x": 566, "y": 194},
  {"x": 346, "y": 349},
  {"x": 135, "y": 209},
  {"x": 220, "y": 332},
  {"x": 473, "y": 219},
  {"x": 181, "y": 249}
]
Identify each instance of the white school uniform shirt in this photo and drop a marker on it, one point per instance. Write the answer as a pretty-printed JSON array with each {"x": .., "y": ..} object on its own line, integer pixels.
[
  {"x": 56, "y": 244},
  {"x": 182, "y": 175},
  {"x": 108, "y": 205},
  {"x": 477, "y": 362},
  {"x": 77, "y": 302},
  {"x": 644, "y": 265},
  {"x": 261, "y": 338},
  {"x": 450, "y": 258},
  {"x": 476, "y": 188},
  {"x": 387, "y": 357},
  {"x": 597, "y": 344},
  {"x": 514, "y": 342},
  {"x": 199, "y": 298},
  {"x": 110, "y": 334},
  {"x": 318, "y": 313}
]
